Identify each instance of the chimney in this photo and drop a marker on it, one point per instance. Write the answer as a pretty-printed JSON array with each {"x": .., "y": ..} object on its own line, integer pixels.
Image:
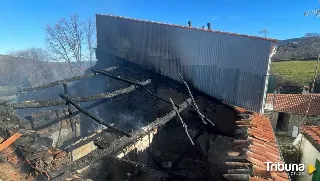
[
  {"x": 189, "y": 23},
  {"x": 209, "y": 26},
  {"x": 203, "y": 27}
]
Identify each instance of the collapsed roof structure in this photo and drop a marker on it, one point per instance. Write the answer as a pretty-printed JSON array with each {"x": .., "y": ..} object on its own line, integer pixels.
[{"x": 146, "y": 111}]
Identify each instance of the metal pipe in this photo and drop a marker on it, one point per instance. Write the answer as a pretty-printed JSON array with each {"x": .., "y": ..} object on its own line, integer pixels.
[
  {"x": 209, "y": 26},
  {"x": 98, "y": 120}
]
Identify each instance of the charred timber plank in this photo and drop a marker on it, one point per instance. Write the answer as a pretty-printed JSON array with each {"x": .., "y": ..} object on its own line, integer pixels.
[
  {"x": 102, "y": 72},
  {"x": 52, "y": 84},
  {"x": 5, "y": 144},
  {"x": 98, "y": 120},
  {"x": 40, "y": 104},
  {"x": 37, "y": 104},
  {"x": 105, "y": 73},
  {"x": 64, "y": 81},
  {"x": 119, "y": 143}
]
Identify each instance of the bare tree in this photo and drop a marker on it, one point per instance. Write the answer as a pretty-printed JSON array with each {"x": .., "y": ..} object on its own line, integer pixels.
[
  {"x": 89, "y": 30},
  {"x": 67, "y": 39},
  {"x": 311, "y": 40},
  {"x": 32, "y": 53},
  {"x": 316, "y": 35}
]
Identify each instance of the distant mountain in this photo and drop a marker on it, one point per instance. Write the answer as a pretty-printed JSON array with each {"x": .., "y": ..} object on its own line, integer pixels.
[{"x": 305, "y": 48}]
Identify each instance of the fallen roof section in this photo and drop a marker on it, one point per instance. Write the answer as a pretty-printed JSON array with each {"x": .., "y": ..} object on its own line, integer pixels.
[
  {"x": 119, "y": 144},
  {"x": 255, "y": 141}
]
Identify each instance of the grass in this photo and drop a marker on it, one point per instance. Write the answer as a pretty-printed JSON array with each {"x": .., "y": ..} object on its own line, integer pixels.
[{"x": 301, "y": 72}]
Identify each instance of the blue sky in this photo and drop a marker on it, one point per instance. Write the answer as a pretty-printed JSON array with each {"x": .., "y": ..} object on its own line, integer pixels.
[{"x": 22, "y": 22}]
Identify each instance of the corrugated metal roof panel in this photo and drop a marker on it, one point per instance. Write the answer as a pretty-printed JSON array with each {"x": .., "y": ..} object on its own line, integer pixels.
[
  {"x": 193, "y": 28},
  {"x": 225, "y": 66}
]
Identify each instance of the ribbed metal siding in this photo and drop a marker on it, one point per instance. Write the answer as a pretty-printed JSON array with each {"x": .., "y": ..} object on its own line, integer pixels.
[{"x": 228, "y": 67}]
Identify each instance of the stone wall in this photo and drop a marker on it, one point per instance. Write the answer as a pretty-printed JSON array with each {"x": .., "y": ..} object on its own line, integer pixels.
[
  {"x": 273, "y": 116},
  {"x": 293, "y": 120}
]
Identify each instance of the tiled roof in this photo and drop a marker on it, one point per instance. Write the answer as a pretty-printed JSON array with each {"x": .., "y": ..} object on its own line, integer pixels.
[
  {"x": 295, "y": 103},
  {"x": 255, "y": 144},
  {"x": 194, "y": 28},
  {"x": 313, "y": 134}
]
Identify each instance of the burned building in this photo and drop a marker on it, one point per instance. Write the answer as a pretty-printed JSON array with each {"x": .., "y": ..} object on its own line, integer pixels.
[{"x": 147, "y": 111}]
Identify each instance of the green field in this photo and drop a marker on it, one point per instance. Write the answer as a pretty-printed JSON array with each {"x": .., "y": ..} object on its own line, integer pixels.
[{"x": 301, "y": 72}]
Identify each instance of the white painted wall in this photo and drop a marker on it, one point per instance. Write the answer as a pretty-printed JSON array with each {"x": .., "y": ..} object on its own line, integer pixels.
[{"x": 309, "y": 156}]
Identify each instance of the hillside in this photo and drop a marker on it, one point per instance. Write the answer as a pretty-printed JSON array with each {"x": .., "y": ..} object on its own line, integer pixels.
[
  {"x": 15, "y": 70},
  {"x": 305, "y": 48}
]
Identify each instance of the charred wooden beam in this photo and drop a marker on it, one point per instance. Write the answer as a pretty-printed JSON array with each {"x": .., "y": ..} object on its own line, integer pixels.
[
  {"x": 65, "y": 89},
  {"x": 102, "y": 72},
  {"x": 37, "y": 104},
  {"x": 105, "y": 73},
  {"x": 40, "y": 104},
  {"x": 119, "y": 144},
  {"x": 64, "y": 81},
  {"x": 194, "y": 106},
  {"x": 52, "y": 84},
  {"x": 75, "y": 113},
  {"x": 98, "y": 120}
]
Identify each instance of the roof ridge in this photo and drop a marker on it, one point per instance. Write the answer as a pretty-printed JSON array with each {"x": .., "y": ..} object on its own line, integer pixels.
[{"x": 193, "y": 28}]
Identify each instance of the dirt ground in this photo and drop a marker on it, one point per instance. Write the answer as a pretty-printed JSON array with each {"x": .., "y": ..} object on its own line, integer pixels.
[{"x": 9, "y": 173}]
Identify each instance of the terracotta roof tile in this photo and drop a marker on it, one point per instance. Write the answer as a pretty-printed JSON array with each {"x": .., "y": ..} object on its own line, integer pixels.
[
  {"x": 312, "y": 133},
  {"x": 258, "y": 179},
  {"x": 295, "y": 103},
  {"x": 194, "y": 28},
  {"x": 261, "y": 147}
]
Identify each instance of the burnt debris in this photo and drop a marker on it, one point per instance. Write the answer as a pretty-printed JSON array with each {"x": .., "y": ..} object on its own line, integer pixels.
[
  {"x": 51, "y": 103},
  {"x": 98, "y": 120},
  {"x": 78, "y": 154}
]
